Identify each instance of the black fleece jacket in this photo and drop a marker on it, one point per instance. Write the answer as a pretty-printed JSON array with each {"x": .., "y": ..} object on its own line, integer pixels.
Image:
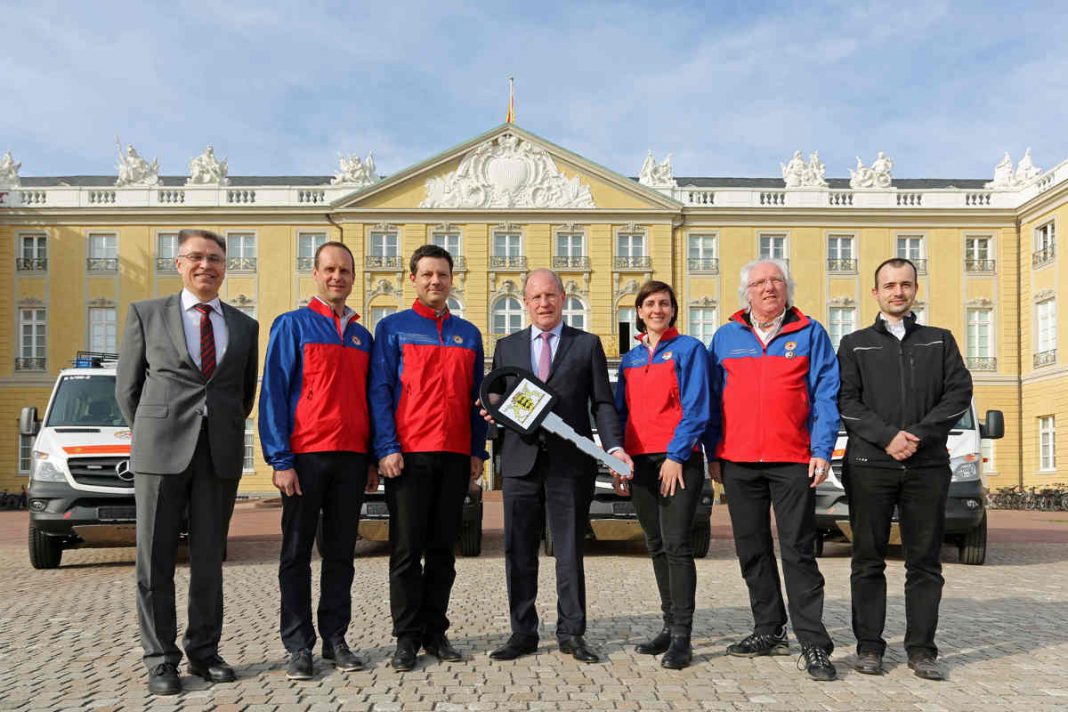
[{"x": 918, "y": 384}]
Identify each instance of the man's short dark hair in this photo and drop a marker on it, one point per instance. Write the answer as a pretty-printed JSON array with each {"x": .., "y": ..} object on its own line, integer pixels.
[
  {"x": 340, "y": 246},
  {"x": 438, "y": 253},
  {"x": 896, "y": 262},
  {"x": 190, "y": 233},
  {"x": 653, "y": 287}
]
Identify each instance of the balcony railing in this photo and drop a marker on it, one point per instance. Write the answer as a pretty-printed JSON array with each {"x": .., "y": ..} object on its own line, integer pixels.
[
  {"x": 707, "y": 265},
  {"x": 572, "y": 262},
  {"x": 384, "y": 262},
  {"x": 31, "y": 264},
  {"x": 459, "y": 263},
  {"x": 166, "y": 264},
  {"x": 102, "y": 264},
  {"x": 1044, "y": 256},
  {"x": 30, "y": 364},
  {"x": 241, "y": 264},
  {"x": 305, "y": 264},
  {"x": 1045, "y": 358},
  {"x": 841, "y": 264},
  {"x": 921, "y": 264},
  {"x": 501, "y": 262},
  {"x": 642, "y": 262},
  {"x": 982, "y": 363},
  {"x": 975, "y": 266}
]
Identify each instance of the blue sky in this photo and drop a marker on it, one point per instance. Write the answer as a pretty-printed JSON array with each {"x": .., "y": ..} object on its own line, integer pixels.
[{"x": 729, "y": 88}]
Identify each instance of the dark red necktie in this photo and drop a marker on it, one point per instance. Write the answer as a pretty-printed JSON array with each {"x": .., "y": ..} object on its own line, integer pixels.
[{"x": 207, "y": 340}]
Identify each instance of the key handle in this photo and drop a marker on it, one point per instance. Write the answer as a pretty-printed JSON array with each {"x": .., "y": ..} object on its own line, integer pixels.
[{"x": 523, "y": 405}]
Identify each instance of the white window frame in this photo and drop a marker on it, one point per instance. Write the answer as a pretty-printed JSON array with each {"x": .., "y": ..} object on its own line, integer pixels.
[
  {"x": 575, "y": 316},
  {"x": 1047, "y": 443},
  {"x": 25, "y": 461},
  {"x": 702, "y": 252},
  {"x": 383, "y": 243},
  {"x": 978, "y": 247},
  {"x": 839, "y": 239},
  {"x": 238, "y": 250},
  {"x": 512, "y": 315},
  {"x": 841, "y": 320},
  {"x": 512, "y": 241},
  {"x": 1046, "y": 325},
  {"x": 452, "y": 241},
  {"x": 102, "y": 329},
  {"x": 699, "y": 322},
  {"x": 780, "y": 239},
  {"x": 975, "y": 325},
  {"x": 1045, "y": 235},
  {"x": 38, "y": 247},
  {"x": 380, "y": 312},
  {"x": 631, "y": 243},
  {"x": 104, "y": 245},
  {"x": 36, "y": 317},
  {"x": 248, "y": 458},
  {"x": 308, "y": 241},
  {"x": 565, "y": 243},
  {"x": 631, "y": 312},
  {"x": 456, "y": 307}
]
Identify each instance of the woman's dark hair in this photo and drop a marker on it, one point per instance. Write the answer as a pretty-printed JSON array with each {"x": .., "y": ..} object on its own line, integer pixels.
[{"x": 652, "y": 287}]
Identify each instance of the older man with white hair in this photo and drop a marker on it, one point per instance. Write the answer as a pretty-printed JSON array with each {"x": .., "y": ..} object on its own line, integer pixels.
[{"x": 774, "y": 423}]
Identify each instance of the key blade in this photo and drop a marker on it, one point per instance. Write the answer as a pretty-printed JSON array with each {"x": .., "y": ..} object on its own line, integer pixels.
[{"x": 556, "y": 425}]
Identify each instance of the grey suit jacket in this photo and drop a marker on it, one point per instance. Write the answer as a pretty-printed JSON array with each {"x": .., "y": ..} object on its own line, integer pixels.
[
  {"x": 162, "y": 393},
  {"x": 579, "y": 376}
]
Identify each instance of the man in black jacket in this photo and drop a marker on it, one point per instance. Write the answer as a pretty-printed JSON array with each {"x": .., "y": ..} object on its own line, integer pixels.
[{"x": 904, "y": 385}]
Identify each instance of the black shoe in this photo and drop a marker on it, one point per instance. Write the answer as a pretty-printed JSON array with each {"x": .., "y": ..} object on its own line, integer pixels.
[
  {"x": 576, "y": 647},
  {"x": 442, "y": 649},
  {"x": 404, "y": 656},
  {"x": 213, "y": 669},
  {"x": 761, "y": 644},
  {"x": 163, "y": 680},
  {"x": 657, "y": 645},
  {"x": 679, "y": 654},
  {"x": 300, "y": 665},
  {"x": 344, "y": 659},
  {"x": 927, "y": 667},
  {"x": 817, "y": 663},
  {"x": 869, "y": 664},
  {"x": 514, "y": 649}
]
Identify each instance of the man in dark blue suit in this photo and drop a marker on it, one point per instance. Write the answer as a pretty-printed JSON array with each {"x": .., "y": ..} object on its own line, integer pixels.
[{"x": 546, "y": 474}]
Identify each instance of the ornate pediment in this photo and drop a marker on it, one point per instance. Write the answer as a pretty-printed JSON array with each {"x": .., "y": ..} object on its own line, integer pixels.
[
  {"x": 1044, "y": 294},
  {"x": 704, "y": 302},
  {"x": 628, "y": 287},
  {"x": 841, "y": 302},
  {"x": 507, "y": 172},
  {"x": 980, "y": 303}
]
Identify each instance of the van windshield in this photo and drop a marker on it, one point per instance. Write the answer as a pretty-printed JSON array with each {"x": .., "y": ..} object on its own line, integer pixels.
[
  {"x": 965, "y": 423},
  {"x": 86, "y": 401}
]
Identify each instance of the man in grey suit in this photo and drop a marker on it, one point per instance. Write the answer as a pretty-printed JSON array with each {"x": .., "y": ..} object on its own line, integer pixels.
[
  {"x": 186, "y": 382},
  {"x": 546, "y": 474}
]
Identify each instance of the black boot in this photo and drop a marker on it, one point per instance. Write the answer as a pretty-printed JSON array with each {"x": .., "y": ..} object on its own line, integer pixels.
[
  {"x": 657, "y": 645},
  {"x": 679, "y": 654}
]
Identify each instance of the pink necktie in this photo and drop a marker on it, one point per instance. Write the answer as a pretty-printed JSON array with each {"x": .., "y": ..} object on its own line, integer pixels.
[{"x": 545, "y": 359}]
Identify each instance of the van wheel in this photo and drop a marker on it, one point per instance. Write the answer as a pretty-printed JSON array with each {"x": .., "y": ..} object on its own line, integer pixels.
[
  {"x": 45, "y": 551},
  {"x": 972, "y": 547},
  {"x": 700, "y": 538},
  {"x": 471, "y": 535}
]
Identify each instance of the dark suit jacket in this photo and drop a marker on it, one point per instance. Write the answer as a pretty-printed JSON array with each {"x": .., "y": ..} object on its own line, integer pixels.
[
  {"x": 162, "y": 392},
  {"x": 579, "y": 376}
]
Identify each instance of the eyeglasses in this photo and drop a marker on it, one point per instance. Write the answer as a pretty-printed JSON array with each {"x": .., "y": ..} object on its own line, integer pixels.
[
  {"x": 773, "y": 281},
  {"x": 213, "y": 260}
]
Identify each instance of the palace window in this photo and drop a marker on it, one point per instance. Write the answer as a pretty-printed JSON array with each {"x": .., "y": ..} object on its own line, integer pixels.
[
  {"x": 248, "y": 461},
  {"x": 1045, "y": 244},
  {"x": 166, "y": 251},
  {"x": 380, "y": 313},
  {"x": 33, "y": 340},
  {"x": 307, "y": 244},
  {"x": 241, "y": 252},
  {"x": 702, "y": 254},
  {"x": 773, "y": 247},
  {"x": 1047, "y": 443},
  {"x": 627, "y": 316},
  {"x": 910, "y": 247},
  {"x": 841, "y": 321},
  {"x": 33, "y": 253},
  {"x": 456, "y": 308},
  {"x": 25, "y": 453},
  {"x": 508, "y": 250},
  {"x": 978, "y": 256},
  {"x": 103, "y": 331},
  {"x": 574, "y": 312},
  {"x": 507, "y": 316},
  {"x": 840, "y": 255},
  {"x": 630, "y": 251},
  {"x": 103, "y": 252},
  {"x": 978, "y": 339},
  {"x": 1046, "y": 313},
  {"x": 571, "y": 250},
  {"x": 450, "y": 241},
  {"x": 703, "y": 323}
]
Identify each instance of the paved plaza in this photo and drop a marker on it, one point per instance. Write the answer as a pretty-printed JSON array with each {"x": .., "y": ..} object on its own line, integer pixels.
[{"x": 68, "y": 637}]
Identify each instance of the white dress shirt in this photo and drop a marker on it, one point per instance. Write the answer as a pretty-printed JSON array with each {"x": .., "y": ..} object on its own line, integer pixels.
[
  {"x": 766, "y": 335},
  {"x": 897, "y": 328},
  {"x": 535, "y": 344},
  {"x": 191, "y": 324}
]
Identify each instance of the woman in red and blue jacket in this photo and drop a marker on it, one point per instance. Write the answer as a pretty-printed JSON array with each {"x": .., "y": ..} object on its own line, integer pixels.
[{"x": 662, "y": 396}]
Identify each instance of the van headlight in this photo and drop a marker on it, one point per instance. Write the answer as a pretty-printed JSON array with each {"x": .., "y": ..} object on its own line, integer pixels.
[
  {"x": 45, "y": 471},
  {"x": 964, "y": 471}
]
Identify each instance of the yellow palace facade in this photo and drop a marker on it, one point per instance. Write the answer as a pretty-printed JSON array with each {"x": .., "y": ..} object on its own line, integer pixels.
[{"x": 77, "y": 250}]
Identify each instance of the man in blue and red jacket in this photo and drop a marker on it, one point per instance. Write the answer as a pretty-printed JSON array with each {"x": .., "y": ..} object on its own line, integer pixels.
[
  {"x": 769, "y": 441},
  {"x": 316, "y": 434},
  {"x": 426, "y": 371}
]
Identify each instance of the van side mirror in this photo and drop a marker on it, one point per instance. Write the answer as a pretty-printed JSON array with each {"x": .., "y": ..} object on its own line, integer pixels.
[
  {"x": 994, "y": 426},
  {"x": 28, "y": 422}
]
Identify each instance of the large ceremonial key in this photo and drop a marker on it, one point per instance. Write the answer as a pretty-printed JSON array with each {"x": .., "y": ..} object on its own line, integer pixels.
[{"x": 528, "y": 405}]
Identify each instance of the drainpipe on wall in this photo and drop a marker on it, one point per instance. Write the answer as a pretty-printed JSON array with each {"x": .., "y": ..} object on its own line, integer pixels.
[{"x": 1019, "y": 357}]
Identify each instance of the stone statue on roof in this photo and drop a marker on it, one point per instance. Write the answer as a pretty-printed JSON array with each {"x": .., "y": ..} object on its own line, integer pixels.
[
  {"x": 879, "y": 175},
  {"x": 206, "y": 169},
  {"x": 135, "y": 170},
  {"x": 1004, "y": 175},
  {"x": 799, "y": 174},
  {"x": 1027, "y": 170},
  {"x": 654, "y": 174},
  {"x": 355, "y": 172},
  {"x": 9, "y": 171}
]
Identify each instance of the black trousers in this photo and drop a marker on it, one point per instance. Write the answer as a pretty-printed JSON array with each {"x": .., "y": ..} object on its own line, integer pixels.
[
  {"x": 752, "y": 489},
  {"x": 161, "y": 504},
  {"x": 425, "y": 509},
  {"x": 559, "y": 498},
  {"x": 667, "y": 523},
  {"x": 920, "y": 495},
  {"x": 332, "y": 484}
]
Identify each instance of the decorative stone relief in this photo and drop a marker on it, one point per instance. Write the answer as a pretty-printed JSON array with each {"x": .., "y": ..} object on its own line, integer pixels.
[
  {"x": 879, "y": 175},
  {"x": 799, "y": 174},
  {"x": 657, "y": 175},
  {"x": 101, "y": 302},
  {"x": 382, "y": 287},
  {"x": 573, "y": 289},
  {"x": 980, "y": 303},
  {"x": 841, "y": 302},
  {"x": 507, "y": 172},
  {"x": 704, "y": 302},
  {"x": 1044, "y": 294},
  {"x": 206, "y": 169},
  {"x": 1005, "y": 177},
  {"x": 354, "y": 172},
  {"x": 242, "y": 301},
  {"x": 135, "y": 170},
  {"x": 30, "y": 302},
  {"x": 628, "y": 287},
  {"x": 9, "y": 171}
]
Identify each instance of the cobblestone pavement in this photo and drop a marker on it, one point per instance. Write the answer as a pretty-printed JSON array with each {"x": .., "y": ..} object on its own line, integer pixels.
[{"x": 68, "y": 638}]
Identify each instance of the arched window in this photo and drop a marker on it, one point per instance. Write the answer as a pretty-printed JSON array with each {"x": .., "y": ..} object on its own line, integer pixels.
[
  {"x": 455, "y": 307},
  {"x": 575, "y": 313},
  {"x": 507, "y": 317}
]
